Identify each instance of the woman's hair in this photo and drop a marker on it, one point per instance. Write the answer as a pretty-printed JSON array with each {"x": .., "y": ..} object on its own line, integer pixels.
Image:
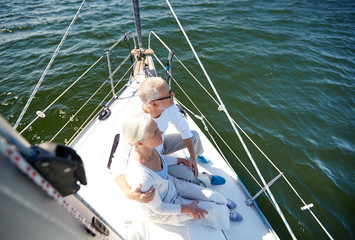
[
  {"x": 134, "y": 128},
  {"x": 148, "y": 89}
]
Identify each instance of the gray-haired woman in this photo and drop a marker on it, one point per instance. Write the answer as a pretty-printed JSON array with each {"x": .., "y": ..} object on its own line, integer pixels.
[{"x": 172, "y": 202}]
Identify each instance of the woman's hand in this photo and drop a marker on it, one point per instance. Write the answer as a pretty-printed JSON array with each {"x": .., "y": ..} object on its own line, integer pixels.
[{"x": 195, "y": 211}]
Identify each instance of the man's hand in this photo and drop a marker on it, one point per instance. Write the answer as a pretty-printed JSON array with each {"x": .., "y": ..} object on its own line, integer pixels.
[
  {"x": 190, "y": 147},
  {"x": 134, "y": 194},
  {"x": 185, "y": 162},
  {"x": 137, "y": 195},
  {"x": 191, "y": 164},
  {"x": 194, "y": 165}
]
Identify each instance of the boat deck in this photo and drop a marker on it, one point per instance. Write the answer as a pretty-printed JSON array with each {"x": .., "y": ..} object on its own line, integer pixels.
[{"x": 103, "y": 194}]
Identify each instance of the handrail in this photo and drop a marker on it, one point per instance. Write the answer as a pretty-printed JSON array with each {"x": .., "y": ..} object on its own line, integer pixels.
[
  {"x": 114, "y": 72},
  {"x": 110, "y": 73}
]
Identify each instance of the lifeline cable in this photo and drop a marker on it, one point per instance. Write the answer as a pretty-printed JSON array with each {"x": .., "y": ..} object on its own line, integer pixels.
[{"x": 48, "y": 66}]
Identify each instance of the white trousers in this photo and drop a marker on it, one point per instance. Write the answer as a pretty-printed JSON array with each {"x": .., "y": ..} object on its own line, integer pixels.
[
  {"x": 211, "y": 201},
  {"x": 172, "y": 143}
]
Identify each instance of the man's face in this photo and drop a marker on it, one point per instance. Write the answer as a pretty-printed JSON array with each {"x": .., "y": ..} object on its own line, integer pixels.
[{"x": 165, "y": 98}]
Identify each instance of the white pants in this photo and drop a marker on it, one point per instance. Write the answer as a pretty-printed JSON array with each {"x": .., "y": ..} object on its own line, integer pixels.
[
  {"x": 172, "y": 143},
  {"x": 211, "y": 201}
]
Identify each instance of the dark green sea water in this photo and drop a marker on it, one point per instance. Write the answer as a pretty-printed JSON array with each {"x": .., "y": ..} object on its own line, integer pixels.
[{"x": 284, "y": 69}]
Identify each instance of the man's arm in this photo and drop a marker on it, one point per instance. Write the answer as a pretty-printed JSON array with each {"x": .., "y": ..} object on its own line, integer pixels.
[
  {"x": 190, "y": 147},
  {"x": 183, "y": 128},
  {"x": 134, "y": 194}
]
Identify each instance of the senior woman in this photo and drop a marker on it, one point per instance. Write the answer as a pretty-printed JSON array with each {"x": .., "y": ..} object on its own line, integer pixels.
[{"x": 172, "y": 202}]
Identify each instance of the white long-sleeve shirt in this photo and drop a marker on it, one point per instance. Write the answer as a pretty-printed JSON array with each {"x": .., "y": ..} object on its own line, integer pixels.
[
  {"x": 171, "y": 193},
  {"x": 162, "y": 204},
  {"x": 172, "y": 114}
]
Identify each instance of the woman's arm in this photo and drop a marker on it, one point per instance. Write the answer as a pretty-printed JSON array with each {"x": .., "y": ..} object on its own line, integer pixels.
[{"x": 157, "y": 205}]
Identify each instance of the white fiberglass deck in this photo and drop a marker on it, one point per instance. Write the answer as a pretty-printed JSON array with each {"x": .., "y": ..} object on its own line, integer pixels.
[{"x": 102, "y": 193}]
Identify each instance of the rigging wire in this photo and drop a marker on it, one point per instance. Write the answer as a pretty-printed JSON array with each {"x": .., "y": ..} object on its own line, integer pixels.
[
  {"x": 100, "y": 104},
  {"x": 48, "y": 66},
  {"x": 222, "y": 107},
  {"x": 198, "y": 116},
  {"x": 55, "y": 100},
  {"x": 226, "y": 144}
]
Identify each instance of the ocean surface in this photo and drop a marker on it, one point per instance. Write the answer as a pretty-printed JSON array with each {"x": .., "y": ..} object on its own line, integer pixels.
[{"x": 285, "y": 70}]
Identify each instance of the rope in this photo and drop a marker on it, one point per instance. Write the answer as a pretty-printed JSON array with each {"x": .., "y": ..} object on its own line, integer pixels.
[
  {"x": 20, "y": 163},
  {"x": 48, "y": 66}
]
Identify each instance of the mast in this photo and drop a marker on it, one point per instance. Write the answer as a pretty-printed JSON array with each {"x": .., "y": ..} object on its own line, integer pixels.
[{"x": 138, "y": 22}]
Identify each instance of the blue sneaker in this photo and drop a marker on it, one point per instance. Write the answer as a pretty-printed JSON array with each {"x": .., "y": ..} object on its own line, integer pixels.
[
  {"x": 235, "y": 217},
  {"x": 230, "y": 204},
  {"x": 202, "y": 159},
  {"x": 217, "y": 180}
]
